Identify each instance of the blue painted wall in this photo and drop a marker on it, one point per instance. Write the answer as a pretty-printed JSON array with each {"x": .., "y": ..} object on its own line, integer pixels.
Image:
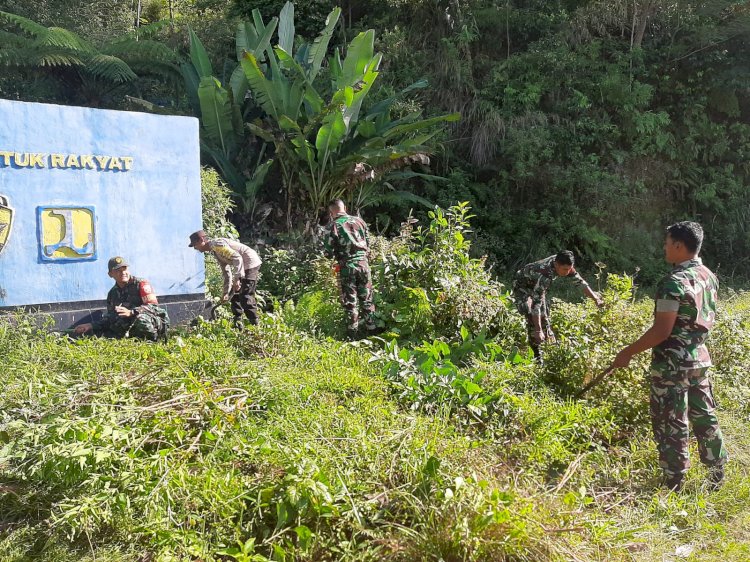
[{"x": 144, "y": 214}]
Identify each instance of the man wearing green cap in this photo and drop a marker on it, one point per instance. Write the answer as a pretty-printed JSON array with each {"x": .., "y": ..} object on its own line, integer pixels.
[{"x": 132, "y": 308}]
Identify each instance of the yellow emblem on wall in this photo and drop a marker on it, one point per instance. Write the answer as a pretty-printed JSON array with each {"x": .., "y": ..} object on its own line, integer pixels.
[
  {"x": 66, "y": 233},
  {"x": 6, "y": 221}
]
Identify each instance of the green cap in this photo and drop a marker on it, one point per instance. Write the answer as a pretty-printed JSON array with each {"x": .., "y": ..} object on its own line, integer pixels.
[{"x": 116, "y": 263}]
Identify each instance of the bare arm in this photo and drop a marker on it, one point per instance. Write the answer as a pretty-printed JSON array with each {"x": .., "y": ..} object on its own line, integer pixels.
[{"x": 657, "y": 333}]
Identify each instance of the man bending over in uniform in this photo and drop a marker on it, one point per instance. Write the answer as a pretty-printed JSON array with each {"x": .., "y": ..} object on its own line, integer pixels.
[
  {"x": 346, "y": 241},
  {"x": 681, "y": 392},
  {"x": 530, "y": 287},
  {"x": 240, "y": 265},
  {"x": 132, "y": 308}
]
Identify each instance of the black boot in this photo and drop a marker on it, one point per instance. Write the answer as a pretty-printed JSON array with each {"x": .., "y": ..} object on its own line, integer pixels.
[
  {"x": 715, "y": 477},
  {"x": 675, "y": 482}
]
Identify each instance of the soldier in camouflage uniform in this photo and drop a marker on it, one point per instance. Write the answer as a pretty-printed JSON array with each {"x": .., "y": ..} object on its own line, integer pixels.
[
  {"x": 240, "y": 266},
  {"x": 681, "y": 391},
  {"x": 530, "y": 287},
  {"x": 132, "y": 308},
  {"x": 346, "y": 241}
]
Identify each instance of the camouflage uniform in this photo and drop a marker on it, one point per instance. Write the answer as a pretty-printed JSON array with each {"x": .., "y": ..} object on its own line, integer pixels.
[
  {"x": 530, "y": 286},
  {"x": 680, "y": 388},
  {"x": 238, "y": 262},
  {"x": 346, "y": 240},
  {"x": 150, "y": 321}
]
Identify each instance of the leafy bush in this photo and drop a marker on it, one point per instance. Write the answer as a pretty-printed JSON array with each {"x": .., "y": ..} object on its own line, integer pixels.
[
  {"x": 588, "y": 339},
  {"x": 428, "y": 285},
  {"x": 216, "y": 200},
  {"x": 288, "y": 273},
  {"x": 729, "y": 345}
]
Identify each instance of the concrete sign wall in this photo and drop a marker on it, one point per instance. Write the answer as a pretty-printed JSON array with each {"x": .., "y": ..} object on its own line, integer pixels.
[{"x": 78, "y": 186}]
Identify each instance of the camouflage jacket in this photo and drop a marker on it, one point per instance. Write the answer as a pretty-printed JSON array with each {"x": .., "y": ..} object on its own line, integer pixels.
[
  {"x": 346, "y": 240},
  {"x": 136, "y": 293},
  {"x": 532, "y": 281},
  {"x": 690, "y": 289}
]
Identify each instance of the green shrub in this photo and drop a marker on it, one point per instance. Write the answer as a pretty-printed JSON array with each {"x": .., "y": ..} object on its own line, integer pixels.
[
  {"x": 217, "y": 202},
  {"x": 588, "y": 340},
  {"x": 428, "y": 285}
]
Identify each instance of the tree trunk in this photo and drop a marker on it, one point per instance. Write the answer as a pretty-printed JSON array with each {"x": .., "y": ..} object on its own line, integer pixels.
[{"x": 642, "y": 21}]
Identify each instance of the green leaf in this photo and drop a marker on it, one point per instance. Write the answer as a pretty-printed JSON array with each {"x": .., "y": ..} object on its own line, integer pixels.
[
  {"x": 246, "y": 38},
  {"x": 366, "y": 129},
  {"x": 418, "y": 125},
  {"x": 217, "y": 114},
  {"x": 259, "y": 131},
  {"x": 266, "y": 93},
  {"x": 358, "y": 56},
  {"x": 286, "y": 27},
  {"x": 320, "y": 46},
  {"x": 330, "y": 134},
  {"x": 238, "y": 84},
  {"x": 199, "y": 56}
]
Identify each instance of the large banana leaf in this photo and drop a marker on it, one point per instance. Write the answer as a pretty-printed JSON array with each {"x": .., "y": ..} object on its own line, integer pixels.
[
  {"x": 362, "y": 88},
  {"x": 419, "y": 125},
  {"x": 199, "y": 56},
  {"x": 358, "y": 56},
  {"x": 286, "y": 27},
  {"x": 329, "y": 136},
  {"x": 319, "y": 47},
  {"x": 192, "y": 81},
  {"x": 268, "y": 96},
  {"x": 309, "y": 94},
  {"x": 218, "y": 115},
  {"x": 245, "y": 37}
]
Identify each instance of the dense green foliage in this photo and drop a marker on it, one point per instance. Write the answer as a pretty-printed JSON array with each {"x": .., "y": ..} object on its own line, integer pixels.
[{"x": 573, "y": 112}]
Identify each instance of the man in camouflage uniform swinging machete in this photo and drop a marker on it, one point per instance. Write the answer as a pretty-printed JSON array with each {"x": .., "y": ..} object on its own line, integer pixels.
[{"x": 681, "y": 391}]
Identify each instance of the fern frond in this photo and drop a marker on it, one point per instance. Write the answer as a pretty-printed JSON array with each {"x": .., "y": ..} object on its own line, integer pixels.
[
  {"x": 110, "y": 68},
  {"x": 144, "y": 49},
  {"x": 59, "y": 37},
  {"x": 58, "y": 59},
  {"x": 30, "y": 27}
]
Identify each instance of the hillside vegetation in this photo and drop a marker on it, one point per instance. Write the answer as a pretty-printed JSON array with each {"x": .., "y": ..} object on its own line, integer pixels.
[{"x": 283, "y": 442}]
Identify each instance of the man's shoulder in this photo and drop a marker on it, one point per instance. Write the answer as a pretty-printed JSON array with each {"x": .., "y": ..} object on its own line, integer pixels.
[{"x": 539, "y": 266}]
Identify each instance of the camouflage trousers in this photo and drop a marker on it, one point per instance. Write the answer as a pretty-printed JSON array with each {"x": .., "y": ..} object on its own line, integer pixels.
[
  {"x": 679, "y": 399},
  {"x": 523, "y": 305},
  {"x": 151, "y": 323},
  {"x": 546, "y": 329},
  {"x": 356, "y": 294}
]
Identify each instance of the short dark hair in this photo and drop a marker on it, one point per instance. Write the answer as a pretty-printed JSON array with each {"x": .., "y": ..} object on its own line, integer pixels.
[
  {"x": 689, "y": 233},
  {"x": 565, "y": 257}
]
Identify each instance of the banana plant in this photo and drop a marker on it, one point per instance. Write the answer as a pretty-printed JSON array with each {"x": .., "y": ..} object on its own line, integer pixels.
[
  {"x": 326, "y": 147},
  {"x": 221, "y": 111}
]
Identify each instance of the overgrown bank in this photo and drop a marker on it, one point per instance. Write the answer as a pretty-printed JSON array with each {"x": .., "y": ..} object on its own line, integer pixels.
[{"x": 280, "y": 444}]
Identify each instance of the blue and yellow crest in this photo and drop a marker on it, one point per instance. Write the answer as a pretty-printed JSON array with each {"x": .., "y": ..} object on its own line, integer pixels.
[
  {"x": 66, "y": 233},
  {"x": 6, "y": 221}
]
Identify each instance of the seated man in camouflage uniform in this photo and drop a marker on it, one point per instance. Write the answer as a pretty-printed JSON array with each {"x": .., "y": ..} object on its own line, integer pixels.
[
  {"x": 681, "y": 392},
  {"x": 346, "y": 241},
  {"x": 240, "y": 265},
  {"x": 132, "y": 308},
  {"x": 530, "y": 287}
]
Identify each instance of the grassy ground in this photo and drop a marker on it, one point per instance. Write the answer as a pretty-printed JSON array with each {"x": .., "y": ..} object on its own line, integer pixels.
[{"x": 274, "y": 444}]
